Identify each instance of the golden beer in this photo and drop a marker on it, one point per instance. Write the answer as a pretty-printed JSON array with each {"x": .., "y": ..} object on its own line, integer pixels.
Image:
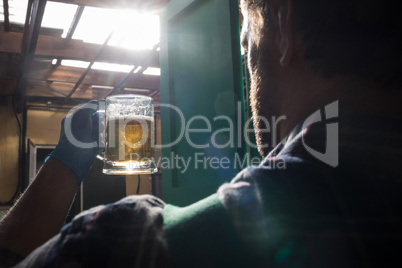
[{"x": 129, "y": 142}]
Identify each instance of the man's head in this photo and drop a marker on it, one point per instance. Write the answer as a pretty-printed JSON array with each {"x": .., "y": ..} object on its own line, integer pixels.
[{"x": 299, "y": 52}]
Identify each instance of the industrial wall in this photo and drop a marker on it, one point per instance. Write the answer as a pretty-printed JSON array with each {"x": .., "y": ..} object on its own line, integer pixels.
[{"x": 9, "y": 140}]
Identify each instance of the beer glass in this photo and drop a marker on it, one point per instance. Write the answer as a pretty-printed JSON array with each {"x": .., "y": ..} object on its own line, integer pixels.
[{"x": 129, "y": 146}]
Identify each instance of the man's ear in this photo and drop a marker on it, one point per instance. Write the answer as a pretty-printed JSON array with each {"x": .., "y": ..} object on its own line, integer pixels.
[{"x": 282, "y": 13}]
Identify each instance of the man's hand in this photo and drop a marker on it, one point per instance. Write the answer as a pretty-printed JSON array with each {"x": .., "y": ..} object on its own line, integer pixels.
[{"x": 78, "y": 144}]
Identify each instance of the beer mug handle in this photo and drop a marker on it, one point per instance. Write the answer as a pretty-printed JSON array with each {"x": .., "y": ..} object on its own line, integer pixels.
[
  {"x": 100, "y": 157},
  {"x": 101, "y": 131}
]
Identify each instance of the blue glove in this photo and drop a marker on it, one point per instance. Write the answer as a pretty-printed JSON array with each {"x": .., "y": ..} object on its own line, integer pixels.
[{"x": 79, "y": 136}]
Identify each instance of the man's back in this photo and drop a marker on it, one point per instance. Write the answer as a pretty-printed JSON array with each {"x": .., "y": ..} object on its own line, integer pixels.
[{"x": 310, "y": 214}]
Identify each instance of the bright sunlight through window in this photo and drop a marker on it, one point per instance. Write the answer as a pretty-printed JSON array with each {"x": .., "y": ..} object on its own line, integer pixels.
[
  {"x": 53, "y": 18},
  {"x": 17, "y": 11},
  {"x": 130, "y": 29}
]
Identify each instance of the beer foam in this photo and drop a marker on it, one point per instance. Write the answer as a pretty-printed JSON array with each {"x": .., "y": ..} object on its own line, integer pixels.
[{"x": 128, "y": 118}]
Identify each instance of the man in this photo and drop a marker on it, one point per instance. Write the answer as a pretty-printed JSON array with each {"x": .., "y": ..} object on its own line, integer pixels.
[{"x": 330, "y": 68}]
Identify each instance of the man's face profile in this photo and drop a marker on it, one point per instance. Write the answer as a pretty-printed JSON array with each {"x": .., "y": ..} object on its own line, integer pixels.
[{"x": 255, "y": 41}]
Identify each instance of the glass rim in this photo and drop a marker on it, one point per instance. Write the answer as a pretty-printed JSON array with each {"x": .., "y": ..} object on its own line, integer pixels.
[{"x": 128, "y": 96}]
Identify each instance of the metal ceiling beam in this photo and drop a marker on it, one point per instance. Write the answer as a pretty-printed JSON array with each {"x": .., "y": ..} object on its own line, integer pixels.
[
  {"x": 6, "y": 16},
  {"x": 85, "y": 73},
  {"x": 73, "y": 26},
  {"x": 120, "y": 84},
  {"x": 154, "y": 93},
  {"x": 27, "y": 19},
  {"x": 36, "y": 9},
  {"x": 76, "y": 20},
  {"x": 122, "y": 81}
]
